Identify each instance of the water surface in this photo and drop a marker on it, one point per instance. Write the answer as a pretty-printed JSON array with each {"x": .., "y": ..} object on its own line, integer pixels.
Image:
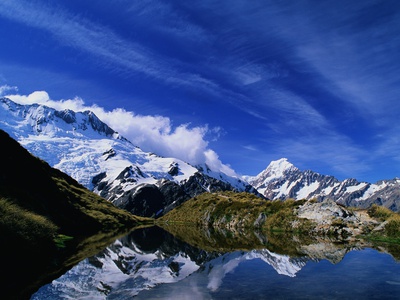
[{"x": 153, "y": 264}]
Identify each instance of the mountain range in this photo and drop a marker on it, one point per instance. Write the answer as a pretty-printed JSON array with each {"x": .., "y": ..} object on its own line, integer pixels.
[
  {"x": 82, "y": 146},
  {"x": 87, "y": 149},
  {"x": 282, "y": 180}
]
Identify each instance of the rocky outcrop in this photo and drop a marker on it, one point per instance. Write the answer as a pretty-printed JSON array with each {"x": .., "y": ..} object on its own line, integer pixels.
[
  {"x": 329, "y": 218},
  {"x": 325, "y": 212}
]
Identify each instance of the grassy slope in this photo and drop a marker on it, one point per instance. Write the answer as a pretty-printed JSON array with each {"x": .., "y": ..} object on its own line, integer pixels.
[
  {"x": 391, "y": 222},
  {"x": 236, "y": 210},
  {"x": 38, "y": 202}
]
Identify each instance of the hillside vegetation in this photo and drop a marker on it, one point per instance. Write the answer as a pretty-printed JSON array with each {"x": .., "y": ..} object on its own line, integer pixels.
[
  {"x": 41, "y": 205},
  {"x": 390, "y": 228},
  {"x": 238, "y": 210}
]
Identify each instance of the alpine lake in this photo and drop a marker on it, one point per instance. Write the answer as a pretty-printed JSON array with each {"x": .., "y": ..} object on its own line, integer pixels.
[{"x": 186, "y": 262}]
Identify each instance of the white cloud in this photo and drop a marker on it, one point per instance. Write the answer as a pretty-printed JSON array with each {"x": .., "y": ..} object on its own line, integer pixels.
[
  {"x": 152, "y": 133},
  {"x": 213, "y": 161},
  {"x": 39, "y": 97},
  {"x": 166, "y": 18}
]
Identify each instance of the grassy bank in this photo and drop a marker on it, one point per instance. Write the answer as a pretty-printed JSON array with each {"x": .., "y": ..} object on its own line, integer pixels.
[
  {"x": 390, "y": 227},
  {"x": 238, "y": 210}
]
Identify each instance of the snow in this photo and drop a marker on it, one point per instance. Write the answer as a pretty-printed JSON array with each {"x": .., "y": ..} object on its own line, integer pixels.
[
  {"x": 236, "y": 182},
  {"x": 351, "y": 189},
  {"x": 285, "y": 188},
  {"x": 78, "y": 150},
  {"x": 372, "y": 190},
  {"x": 275, "y": 170},
  {"x": 140, "y": 271},
  {"x": 307, "y": 190},
  {"x": 220, "y": 267},
  {"x": 329, "y": 189},
  {"x": 282, "y": 190}
]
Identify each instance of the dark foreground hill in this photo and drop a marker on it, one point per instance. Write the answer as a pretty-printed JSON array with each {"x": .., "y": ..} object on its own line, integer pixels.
[{"x": 42, "y": 208}]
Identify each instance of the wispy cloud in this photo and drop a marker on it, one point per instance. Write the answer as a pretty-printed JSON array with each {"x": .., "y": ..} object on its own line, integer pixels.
[
  {"x": 5, "y": 89},
  {"x": 250, "y": 148},
  {"x": 319, "y": 78},
  {"x": 166, "y": 19},
  {"x": 108, "y": 47},
  {"x": 359, "y": 60}
]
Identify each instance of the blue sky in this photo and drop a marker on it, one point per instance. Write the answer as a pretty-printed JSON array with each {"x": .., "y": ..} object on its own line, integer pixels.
[{"x": 234, "y": 83}]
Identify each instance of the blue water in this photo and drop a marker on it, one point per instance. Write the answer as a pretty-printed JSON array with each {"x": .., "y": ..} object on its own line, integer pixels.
[
  {"x": 364, "y": 274},
  {"x": 152, "y": 264}
]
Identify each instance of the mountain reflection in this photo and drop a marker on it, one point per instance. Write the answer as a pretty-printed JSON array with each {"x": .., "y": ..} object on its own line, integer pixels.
[{"x": 191, "y": 261}]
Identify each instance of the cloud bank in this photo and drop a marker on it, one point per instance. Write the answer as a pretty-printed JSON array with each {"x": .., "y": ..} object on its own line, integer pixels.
[{"x": 152, "y": 133}]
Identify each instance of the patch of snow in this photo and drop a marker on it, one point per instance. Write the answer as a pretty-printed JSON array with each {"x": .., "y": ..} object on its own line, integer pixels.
[
  {"x": 304, "y": 192},
  {"x": 285, "y": 188},
  {"x": 372, "y": 190},
  {"x": 282, "y": 190},
  {"x": 329, "y": 189},
  {"x": 351, "y": 189}
]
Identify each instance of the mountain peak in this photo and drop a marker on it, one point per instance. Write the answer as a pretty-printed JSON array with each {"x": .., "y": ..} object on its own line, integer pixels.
[
  {"x": 279, "y": 166},
  {"x": 276, "y": 169},
  {"x": 46, "y": 120}
]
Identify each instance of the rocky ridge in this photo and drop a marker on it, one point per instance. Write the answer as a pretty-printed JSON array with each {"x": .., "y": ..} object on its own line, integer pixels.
[{"x": 282, "y": 180}]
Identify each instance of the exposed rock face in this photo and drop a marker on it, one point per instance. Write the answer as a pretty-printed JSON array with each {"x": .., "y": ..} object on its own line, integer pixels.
[
  {"x": 325, "y": 212},
  {"x": 282, "y": 180},
  {"x": 329, "y": 218},
  {"x": 145, "y": 200}
]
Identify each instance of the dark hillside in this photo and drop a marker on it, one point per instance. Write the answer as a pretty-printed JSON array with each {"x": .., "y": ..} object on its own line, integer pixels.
[
  {"x": 46, "y": 218},
  {"x": 33, "y": 185}
]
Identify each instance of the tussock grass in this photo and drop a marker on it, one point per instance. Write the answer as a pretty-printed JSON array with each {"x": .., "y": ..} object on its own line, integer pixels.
[
  {"x": 237, "y": 210},
  {"x": 392, "y": 219},
  {"x": 21, "y": 224},
  {"x": 392, "y": 227},
  {"x": 379, "y": 212}
]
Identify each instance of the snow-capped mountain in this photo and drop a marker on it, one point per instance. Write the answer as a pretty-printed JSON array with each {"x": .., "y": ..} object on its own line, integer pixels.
[
  {"x": 81, "y": 145},
  {"x": 282, "y": 180}
]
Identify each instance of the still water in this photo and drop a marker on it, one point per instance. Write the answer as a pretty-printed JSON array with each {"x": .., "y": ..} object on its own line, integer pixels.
[{"x": 153, "y": 264}]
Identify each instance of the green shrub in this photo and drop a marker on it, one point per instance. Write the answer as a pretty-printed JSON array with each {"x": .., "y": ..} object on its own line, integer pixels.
[
  {"x": 392, "y": 228},
  {"x": 281, "y": 220},
  {"x": 380, "y": 212}
]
